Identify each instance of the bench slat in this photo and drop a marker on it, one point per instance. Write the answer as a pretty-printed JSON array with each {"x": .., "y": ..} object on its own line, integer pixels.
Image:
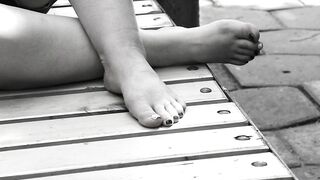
[
  {"x": 153, "y": 21},
  {"x": 95, "y": 102},
  {"x": 112, "y": 126},
  {"x": 169, "y": 75},
  {"x": 61, "y": 3},
  {"x": 130, "y": 152},
  {"x": 213, "y": 169},
  {"x": 147, "y": 21},
  {"x": 146, "y": 7}
]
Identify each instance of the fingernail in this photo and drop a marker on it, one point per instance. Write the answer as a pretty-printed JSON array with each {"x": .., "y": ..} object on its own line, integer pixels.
[
  {"x": 260, "y": 45},
  {"x": 176, "y": 119},
  {"x": 180, "y": 115},
  {"x": 168, "y": 122},
  {"x": 251, "y": 37}
]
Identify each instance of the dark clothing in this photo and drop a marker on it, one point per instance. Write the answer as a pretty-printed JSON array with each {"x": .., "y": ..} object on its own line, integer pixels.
[{"x": 39, "y": 6}]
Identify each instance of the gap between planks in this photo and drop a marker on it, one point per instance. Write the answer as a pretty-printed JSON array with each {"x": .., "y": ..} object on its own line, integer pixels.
[
  {"x": 170, "y": 75},
  {"x": 118, "y": 153},
  {"x": 113, "y": 126},
  {"x": 204, "y": 169},
  {"x": 91, "y": 103}
]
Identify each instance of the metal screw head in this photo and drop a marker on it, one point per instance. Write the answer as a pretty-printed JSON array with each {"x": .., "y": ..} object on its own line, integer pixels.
[
  {"x": 243, "y": 138},
  {"x": 147, "y": 5},
  {"x": 192, "y": 68},
  {"x": 223, "y": 112},
  {"x": 205, "y": 90},
  {"x": 156, "y": 18},
  {"x": 259, "y": 164}
]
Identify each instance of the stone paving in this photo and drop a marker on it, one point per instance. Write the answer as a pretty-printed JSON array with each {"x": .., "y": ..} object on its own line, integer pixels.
[{"x": 280, "y": 89}]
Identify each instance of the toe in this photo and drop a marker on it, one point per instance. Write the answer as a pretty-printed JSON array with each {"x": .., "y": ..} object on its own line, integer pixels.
[
  {"x": 167, "y": 118},
  {"x": 145, "y": 115},
  {"x": 246, "y": 52},
  {"x": 245, "y": 44},
  {"x": 238, "y": 63},
  {"x": 179, "y": 108},
  {"x": 173, "y": 112},
  {"x": 250, "y": 32},
  {"x": 242, "y": 58}
]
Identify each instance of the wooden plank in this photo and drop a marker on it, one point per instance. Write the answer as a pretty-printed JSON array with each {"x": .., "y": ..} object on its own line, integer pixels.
[
  {"x": 146, "y": 7},
  {"x": 169, "y": 75},
  {"x": 112, "y": 126},
  {"x": 226, "y": 168},
  {"x": 129, "y": 152},
  {"x": 61, "y": 3},
  {"x": 153, "y": 21},
  {"x": 88, "y": 103},
  {"x": 65, "y": 11}
]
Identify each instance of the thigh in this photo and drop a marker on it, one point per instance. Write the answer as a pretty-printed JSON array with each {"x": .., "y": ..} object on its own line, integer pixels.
[
  {"x": 41, "y": 50},
  {"x": 35, "y": 5}
]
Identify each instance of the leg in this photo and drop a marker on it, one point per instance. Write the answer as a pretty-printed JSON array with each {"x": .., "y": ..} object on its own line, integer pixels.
[{"x": 42, "y": 50}]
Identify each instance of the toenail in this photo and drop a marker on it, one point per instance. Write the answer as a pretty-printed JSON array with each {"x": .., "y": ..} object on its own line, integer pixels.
[
  {"x": 176, "y": 118},
  {"x": 257, "y": 52},
  {"x": 180, "y": 115},
  {"x": 155, "y": 117},
  {"x": 168, "y": 122},
  {"x": 260, "y": 45},
  {"x": 251, "y": 37}
]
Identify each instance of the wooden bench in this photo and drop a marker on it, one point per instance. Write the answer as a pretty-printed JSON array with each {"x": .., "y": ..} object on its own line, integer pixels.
[{"x": 82, "y": 131}]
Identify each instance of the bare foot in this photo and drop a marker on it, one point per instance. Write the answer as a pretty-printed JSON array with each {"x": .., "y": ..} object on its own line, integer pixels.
[
  {"x": 226, "y": 41},
  {"x": 147, "y": 98}
]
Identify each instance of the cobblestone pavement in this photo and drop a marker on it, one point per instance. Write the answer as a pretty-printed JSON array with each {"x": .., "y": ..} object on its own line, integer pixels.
[{"x": 280, "y": 89}]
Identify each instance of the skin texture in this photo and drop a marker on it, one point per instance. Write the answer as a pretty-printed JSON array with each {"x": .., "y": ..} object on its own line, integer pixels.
[{"x": 105, "y": 42}]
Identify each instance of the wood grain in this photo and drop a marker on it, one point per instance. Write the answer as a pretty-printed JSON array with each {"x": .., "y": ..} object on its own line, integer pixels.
[
  {"x": 57, "y": 106},
  {"x": 226, "y": 168},
  {"x": 129, "y": 152},
  {"x": 112, "y": 126},
  {"x": 170, "y": 75}
]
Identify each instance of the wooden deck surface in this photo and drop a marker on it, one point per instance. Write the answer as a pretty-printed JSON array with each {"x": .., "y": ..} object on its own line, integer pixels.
[{"x": 81, "y": 131}]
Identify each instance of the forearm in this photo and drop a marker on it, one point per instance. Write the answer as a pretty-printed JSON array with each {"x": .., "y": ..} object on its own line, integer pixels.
[{"x": 112, "y": 29}]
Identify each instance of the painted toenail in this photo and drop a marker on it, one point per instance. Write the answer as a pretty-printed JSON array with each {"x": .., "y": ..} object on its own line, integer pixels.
[
  {"x": 176, "y": 119},
  {"x": 257, "y": 52},
  {"x": 168, "y": 122},
  {"x": 180, "y": 115},
  {"x": 260, "y": 45},
  {"x": 251, "y": 37}
]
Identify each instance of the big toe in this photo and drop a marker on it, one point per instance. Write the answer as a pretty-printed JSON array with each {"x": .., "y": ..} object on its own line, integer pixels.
[
  {"x": 250, "y": 32},
  {"x": 145, "y": 115}
]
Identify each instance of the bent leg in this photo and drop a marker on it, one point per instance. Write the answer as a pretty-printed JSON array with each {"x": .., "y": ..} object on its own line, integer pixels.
[{"x": 42, "y": 50}]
